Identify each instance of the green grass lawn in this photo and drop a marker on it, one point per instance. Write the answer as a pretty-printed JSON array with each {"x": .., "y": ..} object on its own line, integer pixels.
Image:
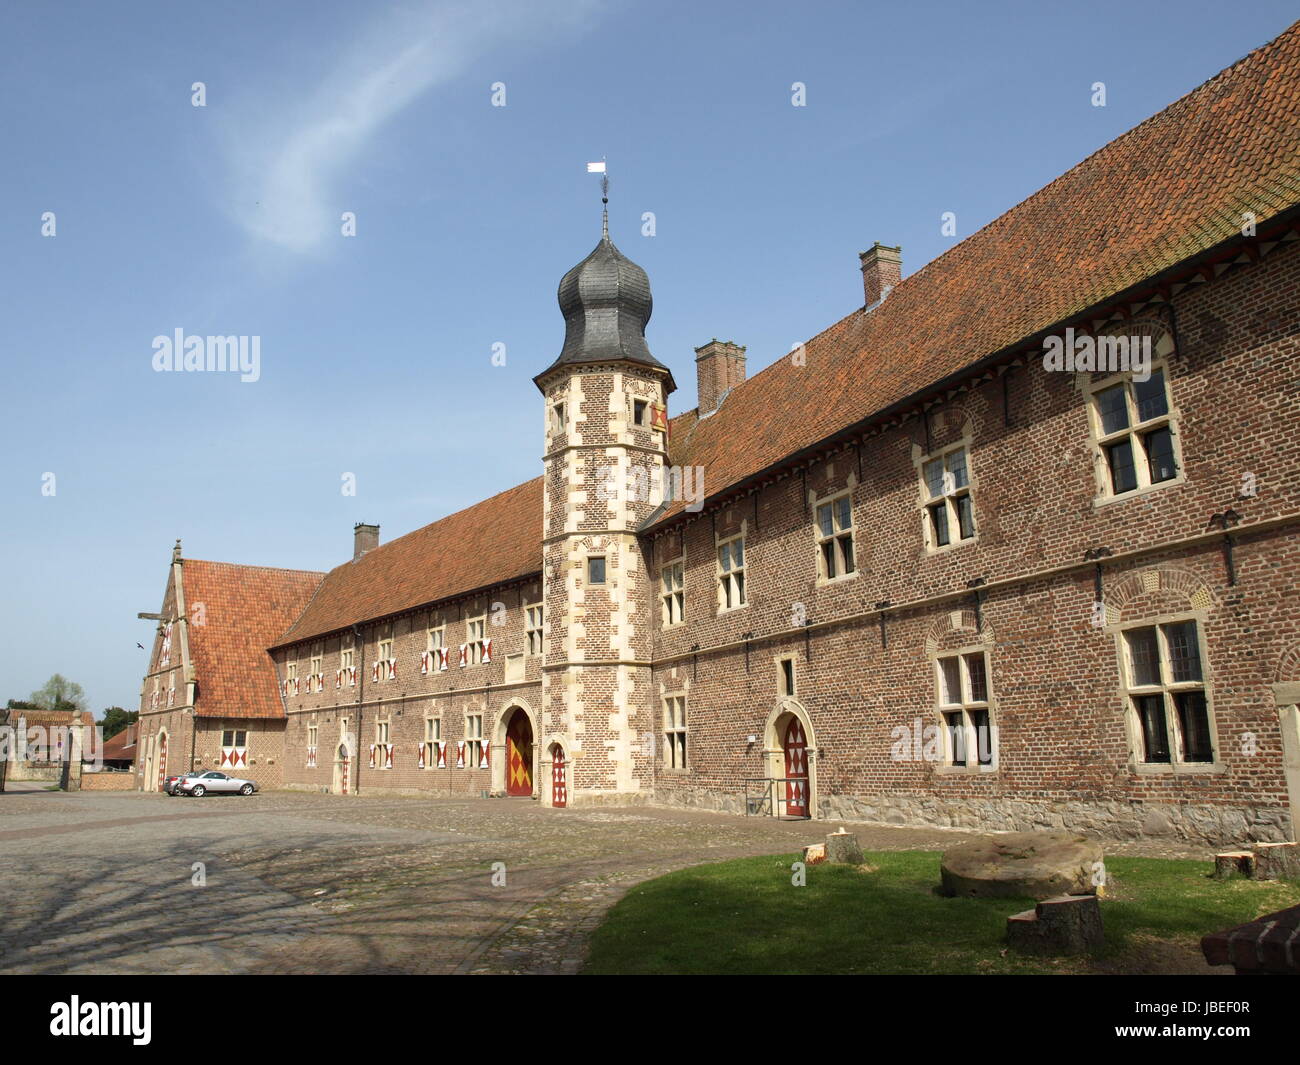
[{"x": 746, "y": 917}]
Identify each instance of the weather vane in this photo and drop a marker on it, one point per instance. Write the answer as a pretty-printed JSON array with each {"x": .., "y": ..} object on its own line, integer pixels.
[{"x": 599, "y": 168}]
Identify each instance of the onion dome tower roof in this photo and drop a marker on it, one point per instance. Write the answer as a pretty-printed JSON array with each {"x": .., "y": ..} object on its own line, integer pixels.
[{"x": 606, "y": 304}]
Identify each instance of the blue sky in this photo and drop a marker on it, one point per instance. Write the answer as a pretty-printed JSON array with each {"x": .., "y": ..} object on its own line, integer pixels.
[{"x": 376, "y": 349}]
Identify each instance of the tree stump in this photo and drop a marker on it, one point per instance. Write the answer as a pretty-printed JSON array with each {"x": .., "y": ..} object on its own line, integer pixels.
[
  {"x": 1230, "y": 863},
  {"x": 1066, "y": 924},
  {"x": 1033, "y": 865},
  {"x": 842, "y": 848},
  {"x": 1277, "y": 861}
]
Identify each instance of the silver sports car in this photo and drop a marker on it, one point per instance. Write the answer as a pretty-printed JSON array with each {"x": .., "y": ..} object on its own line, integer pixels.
[{"x": 217, "y": 783}]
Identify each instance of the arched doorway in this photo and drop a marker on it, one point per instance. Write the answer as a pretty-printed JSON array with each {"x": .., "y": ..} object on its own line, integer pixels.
[
  {"x": 559, "y": 777},
  {"x": 790, "y": 756},
  {"x": 519, "y": 755},
  {"x": 342, "y": 765},
  {"x": 162, "y": 760},
  {"x": 795, "y": 746}
]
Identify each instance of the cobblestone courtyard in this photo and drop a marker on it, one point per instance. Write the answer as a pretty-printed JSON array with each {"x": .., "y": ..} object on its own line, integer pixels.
[{"x": 102, "y": 883}]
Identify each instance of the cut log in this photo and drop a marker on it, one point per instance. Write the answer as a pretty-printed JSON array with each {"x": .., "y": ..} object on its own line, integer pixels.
[
  {"x": 1066, "y": 924},
  {"x": 1231, "y": 863},
  {"x": 1277, "y": 861},
  {"x": 814, "y": 854}
]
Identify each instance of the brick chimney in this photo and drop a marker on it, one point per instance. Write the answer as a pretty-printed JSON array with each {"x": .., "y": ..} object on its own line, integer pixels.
[
  {"x": 719, "y": 367},
  {"x": 364, "y": 538},
  {"x": 882, "y": 269}
]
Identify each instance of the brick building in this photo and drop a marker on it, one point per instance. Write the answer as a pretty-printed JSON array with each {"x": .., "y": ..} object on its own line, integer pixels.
[
  {"x": 209, "y": 700},
  {"x": 1012, "y": 544}
]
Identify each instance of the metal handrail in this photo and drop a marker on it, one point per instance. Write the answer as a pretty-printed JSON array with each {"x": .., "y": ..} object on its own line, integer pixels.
[{"x": 769, "y": 797}]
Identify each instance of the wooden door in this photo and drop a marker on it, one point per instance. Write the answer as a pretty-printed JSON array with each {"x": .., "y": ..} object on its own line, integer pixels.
[
  {"x": 341, "y": 766},
  {"x": 796, "y": 770},
  {"x": 559, "y": 778},
  {"x": 519, "y": 756},
  {"x": 162, "y": 760}
]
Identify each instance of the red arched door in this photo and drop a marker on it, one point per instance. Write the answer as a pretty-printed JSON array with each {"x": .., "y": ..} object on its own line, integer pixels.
[
  {"x": 162, "y": 760},
  {"x": 519, "y": 756},
  {"x": 796, "y": 770},
  {"x": 559, "y": 778},
  {"x": 341, "y": 766}
]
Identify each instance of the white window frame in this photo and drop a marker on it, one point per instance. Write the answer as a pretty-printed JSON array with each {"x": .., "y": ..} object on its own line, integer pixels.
[
  {"x": 1135, "y": 432},
  {"x": 475, "y": 634},
  {"x": 672, "y": 592},
  {"x": 781, "y": 684},
  {"x": 967, "y": 706},
  {"x": 474, "y": 740},
  {"x": 949, "y": 497},
  {"x": 432, "y": 737},
  {"x": 836, "y": 537},
  {"x": 534, "y": 628},
  {"x": 730, "y": 572},
  {"x": 1167, "y": 689},
  {"x": 676, "y": 757}
]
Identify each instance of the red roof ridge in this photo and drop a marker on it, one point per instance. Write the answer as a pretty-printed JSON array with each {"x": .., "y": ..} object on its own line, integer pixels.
[{"x": 243, "y": 565}]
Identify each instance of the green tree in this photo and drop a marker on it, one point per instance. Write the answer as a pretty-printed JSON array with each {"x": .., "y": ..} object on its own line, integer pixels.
[
  {"x": 116, "y": 719},
  {"x": 59, "y": 693},
  {"x": 21, "y": 704}
]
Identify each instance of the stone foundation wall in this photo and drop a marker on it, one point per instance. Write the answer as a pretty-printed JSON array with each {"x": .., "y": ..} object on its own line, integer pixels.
[{"x": 1199, "y": 823}]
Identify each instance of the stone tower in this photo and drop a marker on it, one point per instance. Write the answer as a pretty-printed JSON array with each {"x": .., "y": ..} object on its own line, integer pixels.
[{"x": 605, "y": 454}]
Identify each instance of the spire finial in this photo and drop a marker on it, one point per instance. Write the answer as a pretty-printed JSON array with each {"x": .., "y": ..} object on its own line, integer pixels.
[{"x": 599, "y": 168}]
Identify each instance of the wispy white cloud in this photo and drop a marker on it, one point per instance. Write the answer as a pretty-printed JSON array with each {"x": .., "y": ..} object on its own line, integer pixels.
[{"x": 286, "y": 156}]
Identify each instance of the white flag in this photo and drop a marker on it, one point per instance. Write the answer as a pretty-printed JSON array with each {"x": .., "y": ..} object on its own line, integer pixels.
[{"x": 596, "y": 168}]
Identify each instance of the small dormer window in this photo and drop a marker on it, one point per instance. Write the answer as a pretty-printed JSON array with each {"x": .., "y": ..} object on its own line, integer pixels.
[{"x": 640, "y": 409}]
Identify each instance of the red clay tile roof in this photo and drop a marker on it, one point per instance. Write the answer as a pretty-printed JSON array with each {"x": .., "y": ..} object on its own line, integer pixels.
[
  {"x": 1170, "y": 188},
  {"x": 121, "y": 747},
  {"x": 51, "y": 718},
  {"x": 497, "y": 540},
  {"x": 244, "y": 609}
]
